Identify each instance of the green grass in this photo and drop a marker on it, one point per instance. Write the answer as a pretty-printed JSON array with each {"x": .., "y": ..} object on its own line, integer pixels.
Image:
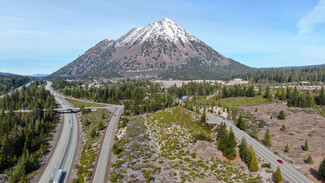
[
  {"x": 77, "y": 103},
  {"x": 237, "y": 101}
]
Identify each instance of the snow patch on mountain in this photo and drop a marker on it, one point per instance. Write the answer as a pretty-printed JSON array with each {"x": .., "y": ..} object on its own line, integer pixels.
[{"x": 165, "y": 29}]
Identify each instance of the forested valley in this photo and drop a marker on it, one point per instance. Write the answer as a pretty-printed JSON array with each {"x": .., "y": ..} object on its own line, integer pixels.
[{"x": 9, "y": 82}]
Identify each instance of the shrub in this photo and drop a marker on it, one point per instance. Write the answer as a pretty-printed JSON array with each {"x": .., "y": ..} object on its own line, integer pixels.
[
  {"x": 306, "y": 147},
  {"x": 283, "y": 128},
  {"x": 87, "y": 122},
  {"x": 115, "y": 177},
  {"x": 93, "y": 133},
  {"x": 100, "y": 125},
  {"x": 202, "y": 137},
  {"x": 282, "y": 115},
  {"x": 193, "y": 155},
  {"x": 309, "y": 160},
  {"x": 287, "y": 148},
  {"x": 266, "y": 165}
]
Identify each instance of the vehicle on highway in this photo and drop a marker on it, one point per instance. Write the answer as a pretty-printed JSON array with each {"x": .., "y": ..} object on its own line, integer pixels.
[
  {"x": 59, "y": 177},
  {"x": 280, "y": 161}
]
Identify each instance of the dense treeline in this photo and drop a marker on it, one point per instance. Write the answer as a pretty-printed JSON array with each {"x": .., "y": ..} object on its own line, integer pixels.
[
  {"x": 138, "y": 96},
  {"x": 9, "y": 82},
  {"x": 303, "y": 99},
  {"x": 196, "y": 69},
  {"x": 313, "y": 74},
  {"x": 34, "y": 96},
  {"x": 193, "y": 88},
  {"x": 59, "y": 83},
  {"x": 124, "y": 90},
  {"x": 238, "y": 91},
  {"x": 23, "y": 136}
]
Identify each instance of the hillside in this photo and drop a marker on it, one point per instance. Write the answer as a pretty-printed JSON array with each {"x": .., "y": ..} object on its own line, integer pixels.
[{"x": 161, "y": 49}]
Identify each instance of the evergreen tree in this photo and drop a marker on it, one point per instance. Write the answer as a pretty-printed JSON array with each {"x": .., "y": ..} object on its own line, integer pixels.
[
  {"x": 267, "y": 139},
  {"x": 222, "y": 136},
  {"x": 268, "y": 94},
  {"x": 306, "y": 147},
  {"x": 241, "y": 123},
  {"x": 309, "y": 159},
  {"x": 261, "y": 123},
  {"x": 230, "y": 151},
  {"x": 278, "y": 175},
  {"x": 203, "y": 117},
  {"x": 251, "y": 91},
  {"x": 320, "y": 100},
  {"x": 243, "y": 149},
  {"x": 283, "y": 95},
  {"x": 321, "y": 170},
  {"x": 253, "y": 164},
  {"x": 259, "y": 89}
]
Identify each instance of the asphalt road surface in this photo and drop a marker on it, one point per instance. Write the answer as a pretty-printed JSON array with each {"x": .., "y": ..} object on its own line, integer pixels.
[
  {"x": 63, "y": 155},
  {"x": 101, "y": 168},
  {"x": 287, "y": 170}
]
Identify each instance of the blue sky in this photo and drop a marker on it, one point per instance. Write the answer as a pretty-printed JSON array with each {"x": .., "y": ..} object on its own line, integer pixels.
[{"x": 41, "y": 36}]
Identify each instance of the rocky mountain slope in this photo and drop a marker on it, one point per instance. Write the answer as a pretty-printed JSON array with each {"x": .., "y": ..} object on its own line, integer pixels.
[{"x": 161, "y": 49}]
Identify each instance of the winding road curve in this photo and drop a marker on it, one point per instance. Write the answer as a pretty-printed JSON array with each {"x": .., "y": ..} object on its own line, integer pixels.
[
  {"x": 287, "y": 170},
  {"x": 63, "y": 155}
]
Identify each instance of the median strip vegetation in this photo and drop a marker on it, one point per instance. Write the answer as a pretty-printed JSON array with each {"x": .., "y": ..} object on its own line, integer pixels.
[
  {"x": 93, "y": 125},
  {"x": 78, "y": 103}
]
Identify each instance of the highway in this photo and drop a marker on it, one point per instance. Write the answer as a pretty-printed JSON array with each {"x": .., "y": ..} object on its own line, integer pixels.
[
  {"x": 63, "y": 155},
  {"x": 287, "y": 170},
  {"x": 101, "y": 170}
]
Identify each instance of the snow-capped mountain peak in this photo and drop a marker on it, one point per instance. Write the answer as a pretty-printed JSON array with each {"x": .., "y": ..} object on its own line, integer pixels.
[
  {"x": 165, "y": 29},
  {"x": 158, "y": 48}
]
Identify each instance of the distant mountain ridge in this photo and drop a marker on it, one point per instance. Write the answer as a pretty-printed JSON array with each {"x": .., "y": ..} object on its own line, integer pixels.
[
  {"x": 293, "y": 67},
  {"x": 161, "y": 49},
  {"x": 6, "y": 73},
  {"x": 39, "y": 75}
]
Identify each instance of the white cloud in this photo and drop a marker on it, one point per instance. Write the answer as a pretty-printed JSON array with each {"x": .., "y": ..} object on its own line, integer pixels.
[{"x": 317, "y": 16}]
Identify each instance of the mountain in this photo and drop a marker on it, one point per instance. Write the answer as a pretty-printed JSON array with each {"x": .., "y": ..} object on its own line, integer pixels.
[
  {"x": 6, "y": 73},
  {"x": 161, "y": 49}
]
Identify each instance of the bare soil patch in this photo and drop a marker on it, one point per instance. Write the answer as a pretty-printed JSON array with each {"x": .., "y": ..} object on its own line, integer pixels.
[{"x": 299, "y": 127}]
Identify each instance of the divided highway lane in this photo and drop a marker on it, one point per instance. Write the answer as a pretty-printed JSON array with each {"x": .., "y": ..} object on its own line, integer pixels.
[
  {"x": 63, "y": 155},
  {"x": 287, "y": 170},
  {"x": 101, "y": 170}
]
